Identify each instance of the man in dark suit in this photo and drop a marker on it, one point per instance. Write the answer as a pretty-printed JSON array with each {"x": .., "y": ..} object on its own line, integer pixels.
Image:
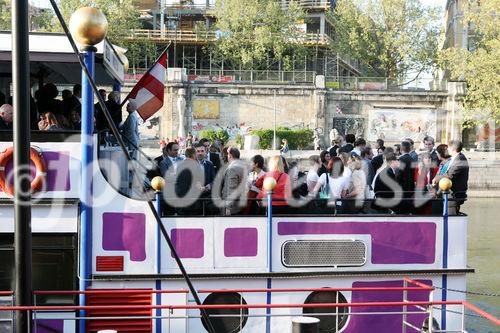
[
  {"x": 386, "y": 188},
  {"x": 208, "y": 171},
  {"x": 349, "y": 146},
  {"x": 188, "y": 185},
  {"x": 458, "y": 172},
  {"x": 406, "y": 177},
  {"x": 170, "y": 159},
  {"x": 429, "y": 147},
  {"x": 211, "y": 156},
  {"x": 378, "y": 160},
  {"x": 166, "y": 162},
  {"x": 412, "y": 152}
]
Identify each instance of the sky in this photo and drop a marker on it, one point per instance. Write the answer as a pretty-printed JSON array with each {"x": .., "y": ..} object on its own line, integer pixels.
[{"x": 442, "y": 3}]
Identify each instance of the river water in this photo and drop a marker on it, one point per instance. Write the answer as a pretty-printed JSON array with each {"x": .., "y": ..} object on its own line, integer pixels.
[{"x": 483, "y": 256}]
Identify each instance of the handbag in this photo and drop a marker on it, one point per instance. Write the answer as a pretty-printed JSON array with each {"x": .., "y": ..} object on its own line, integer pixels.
[{"x": 325, "y": 190}]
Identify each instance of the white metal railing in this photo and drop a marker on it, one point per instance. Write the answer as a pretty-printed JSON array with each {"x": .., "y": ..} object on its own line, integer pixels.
[
  {"x": 347, "y": 83},
  {"x": 381, "y": 83},
  {"x": 253, "y": 76},
  {"x": 306, "y": 4},
  {"x": 199, "y": 36}
]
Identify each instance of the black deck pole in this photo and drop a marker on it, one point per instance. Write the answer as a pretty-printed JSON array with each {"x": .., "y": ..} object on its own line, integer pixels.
[{"x": 22, "y": 196}]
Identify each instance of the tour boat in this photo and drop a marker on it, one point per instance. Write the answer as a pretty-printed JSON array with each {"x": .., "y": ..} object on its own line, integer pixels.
[{"x": 262, "y": 270}]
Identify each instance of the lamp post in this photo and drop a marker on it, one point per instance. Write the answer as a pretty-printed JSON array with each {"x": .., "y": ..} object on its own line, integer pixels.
[
  {"x": 269, "y": 185},
  {"x": 88, "y": 27},
  {"x": 445, "y": 186},
  {"x": 274, "y": 130},
  {"x": 158, "y": 183}
]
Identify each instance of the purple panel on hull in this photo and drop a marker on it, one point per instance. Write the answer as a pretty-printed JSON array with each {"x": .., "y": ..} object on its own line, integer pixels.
[
  {"x": 390, "y": 323},
  {"x": 57, "y": 171},
  {"x": 240, "y": 242},
  {"x": 392, "y": 242},
  {"x": 49, "y": 326},
  {"x": 125, "y": 232},
  {"x": 189, "y": 243}
]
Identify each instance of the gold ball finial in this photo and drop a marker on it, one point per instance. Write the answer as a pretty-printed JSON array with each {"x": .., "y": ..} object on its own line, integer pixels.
[
  {"x": 157, "y": 183},
  {"x": 445, "y": 184},
  {"x": 269, "y": 184},
  {"x": 88, "y": 25}
]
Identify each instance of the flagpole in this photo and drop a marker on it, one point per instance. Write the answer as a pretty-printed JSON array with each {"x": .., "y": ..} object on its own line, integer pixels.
[{"x": 147, "y": 72}]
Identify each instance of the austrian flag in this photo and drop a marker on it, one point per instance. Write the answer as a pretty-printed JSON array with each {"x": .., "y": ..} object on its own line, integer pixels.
[{"x": 148, "y": 92}]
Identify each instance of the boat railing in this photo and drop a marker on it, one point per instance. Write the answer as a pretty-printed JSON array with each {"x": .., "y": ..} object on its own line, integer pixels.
[
  {"x": 403, "y": 308},
  {"x": 306, "y": 206}
]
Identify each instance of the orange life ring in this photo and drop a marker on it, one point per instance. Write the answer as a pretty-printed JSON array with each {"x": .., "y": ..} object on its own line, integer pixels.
[{"x": 35, "y": 157}]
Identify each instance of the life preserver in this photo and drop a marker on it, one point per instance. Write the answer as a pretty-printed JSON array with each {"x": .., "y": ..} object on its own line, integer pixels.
[{"x": 35, "y": 157}]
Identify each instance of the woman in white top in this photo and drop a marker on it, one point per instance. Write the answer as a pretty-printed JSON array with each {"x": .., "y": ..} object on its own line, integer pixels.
[
  {"x": 357, "y": 186},
  {"x": 333, "y": 182},
  {"x": 312, "y": 174},
  {"x": 254, "y": 175}
]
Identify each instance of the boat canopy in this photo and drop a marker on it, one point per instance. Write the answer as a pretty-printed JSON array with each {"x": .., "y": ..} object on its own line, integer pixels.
[{"x": 52, "y": 59}]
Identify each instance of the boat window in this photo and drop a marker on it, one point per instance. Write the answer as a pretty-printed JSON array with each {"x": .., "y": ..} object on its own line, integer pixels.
[
  {"x": 237, "y": 318},
  {"x": 54, "y": 266},
  {"x": 334, "y": 319}
]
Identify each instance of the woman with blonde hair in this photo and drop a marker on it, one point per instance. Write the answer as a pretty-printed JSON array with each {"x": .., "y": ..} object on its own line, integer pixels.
[{"x": 283, "y": 190}]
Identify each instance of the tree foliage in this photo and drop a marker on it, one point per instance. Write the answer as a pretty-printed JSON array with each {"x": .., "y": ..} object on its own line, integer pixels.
[
  {"x": 479, "y": 65},
  {"x": 297, "y": 138},
  {"x": 213, "y": 135},
  {"x": 251, "y": 31},
  {"x": 5, "y": 16},
  {"x": 122, "y": 16},
  {"x": 397, "y": 38}
]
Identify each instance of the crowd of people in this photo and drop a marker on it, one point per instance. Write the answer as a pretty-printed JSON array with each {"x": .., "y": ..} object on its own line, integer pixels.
[
  {"x": 51, "y": 112},
  {"x": 343, "y": 176},
  {"x": 350, "y": 177}
]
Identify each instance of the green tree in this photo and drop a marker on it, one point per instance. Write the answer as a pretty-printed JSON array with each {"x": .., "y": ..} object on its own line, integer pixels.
[
  {"x": 397, "y": 38},
  {"x": 121, "y": 14},
  {"x": 122, "y": 17},
  {"x": 5, "y": 16},
  {"x": 479, "y": 65},
  {"x": 250, "y": 32}
]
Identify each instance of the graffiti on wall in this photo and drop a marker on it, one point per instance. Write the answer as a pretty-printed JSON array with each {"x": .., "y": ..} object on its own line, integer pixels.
[
  {"x": 233, "y": 130},
  {"x": 349, "y": 125},
  {"x": 206, "y": 109},
  {"x": 397, "y": 124}
]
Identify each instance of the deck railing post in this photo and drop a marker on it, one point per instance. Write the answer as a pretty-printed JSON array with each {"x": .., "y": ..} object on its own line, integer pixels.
[
  {"x": 445, "y": 185},
  {"x": 269, "y": 185},
  {"x": 87, "y": 150},
  {"x": 158, "y": 183},
  {"x": 405, "y": 308}
]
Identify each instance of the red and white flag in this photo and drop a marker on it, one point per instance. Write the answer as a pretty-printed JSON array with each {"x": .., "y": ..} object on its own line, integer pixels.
[{"x": 148, "y": 92}]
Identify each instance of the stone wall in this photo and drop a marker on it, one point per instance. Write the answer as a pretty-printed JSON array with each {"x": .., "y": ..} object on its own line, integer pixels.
[{"x": 238, "y": 108}]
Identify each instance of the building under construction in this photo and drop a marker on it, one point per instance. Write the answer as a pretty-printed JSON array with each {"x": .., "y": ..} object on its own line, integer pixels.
[{"x": 177, "y": 22}]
